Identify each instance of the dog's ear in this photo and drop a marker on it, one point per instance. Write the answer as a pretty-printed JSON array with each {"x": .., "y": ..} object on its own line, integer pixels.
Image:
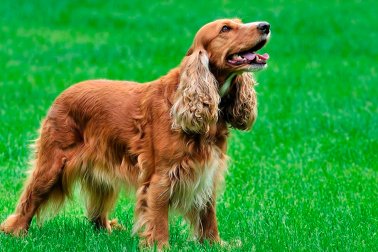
[
  {"x": 240, "y": 103},
  {"x": 196, "y": 101}
]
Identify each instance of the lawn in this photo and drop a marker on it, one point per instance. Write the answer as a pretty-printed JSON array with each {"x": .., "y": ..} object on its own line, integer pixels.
[{"x": 304, "y": 179}]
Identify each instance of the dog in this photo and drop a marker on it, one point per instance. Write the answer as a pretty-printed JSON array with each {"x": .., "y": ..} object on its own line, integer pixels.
[{"x": 166, "y": 138}]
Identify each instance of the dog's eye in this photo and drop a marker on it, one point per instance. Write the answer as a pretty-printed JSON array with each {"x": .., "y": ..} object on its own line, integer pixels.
[{"x": 226, "y": 28}]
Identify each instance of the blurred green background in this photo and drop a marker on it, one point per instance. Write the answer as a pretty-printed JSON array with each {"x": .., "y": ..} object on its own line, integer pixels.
[{"x": 305, "y": 178}]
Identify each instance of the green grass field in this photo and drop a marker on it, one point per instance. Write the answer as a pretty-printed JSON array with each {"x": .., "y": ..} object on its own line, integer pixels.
[{"x": 305, "y": 178}]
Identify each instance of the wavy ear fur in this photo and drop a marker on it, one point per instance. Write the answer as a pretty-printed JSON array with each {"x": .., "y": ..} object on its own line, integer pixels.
[
  {"x": 196, "y": 100},
  {"x": 240, "y": 104}
]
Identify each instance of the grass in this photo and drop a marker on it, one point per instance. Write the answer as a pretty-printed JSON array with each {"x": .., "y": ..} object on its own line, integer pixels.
[{"x": 305, "y": 178}]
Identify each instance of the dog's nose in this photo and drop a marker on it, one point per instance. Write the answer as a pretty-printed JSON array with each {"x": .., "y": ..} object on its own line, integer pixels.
[{"x": 263, "y": 27}]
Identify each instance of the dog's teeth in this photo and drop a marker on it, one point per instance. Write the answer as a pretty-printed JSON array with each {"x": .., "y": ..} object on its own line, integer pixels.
[{"x": 237, "y": 57}]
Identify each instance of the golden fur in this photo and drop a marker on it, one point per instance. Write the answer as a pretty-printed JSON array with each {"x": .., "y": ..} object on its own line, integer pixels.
[{"x": 166, "y": 138}]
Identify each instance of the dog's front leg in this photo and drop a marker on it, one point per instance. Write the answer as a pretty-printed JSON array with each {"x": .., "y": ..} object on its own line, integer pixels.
[
  {"x": 154, "y": 215},
  {"x": 204, "y": 222},
  {"x": 208, "y": 226}
]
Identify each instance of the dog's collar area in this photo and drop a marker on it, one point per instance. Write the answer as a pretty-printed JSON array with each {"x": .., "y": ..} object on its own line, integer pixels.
[{"x": 226, "y": 85}]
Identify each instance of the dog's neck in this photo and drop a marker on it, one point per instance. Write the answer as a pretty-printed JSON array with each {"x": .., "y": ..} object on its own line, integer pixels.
[
  {"x": 223, "y": 90},
  {"x": 220, "y": 75},
  {"x": 224, "y": 79}
]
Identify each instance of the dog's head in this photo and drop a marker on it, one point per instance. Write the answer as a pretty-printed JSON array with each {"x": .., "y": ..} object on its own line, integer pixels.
[
  {"x": 232, "y": 46},
  {"x": 221, "y": 50}
]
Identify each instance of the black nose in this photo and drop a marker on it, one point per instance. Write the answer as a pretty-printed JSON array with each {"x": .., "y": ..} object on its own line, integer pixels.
[{"x": 263, "y": 27}]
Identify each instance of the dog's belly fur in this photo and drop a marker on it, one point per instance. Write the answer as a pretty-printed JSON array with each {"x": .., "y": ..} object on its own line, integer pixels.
[{"x": 191, "y": 187}]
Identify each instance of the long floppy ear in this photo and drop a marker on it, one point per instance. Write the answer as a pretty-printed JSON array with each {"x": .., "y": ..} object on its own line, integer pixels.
[
  {"x": 240, "y": 104},
  {"x": 196, "y": 100}
]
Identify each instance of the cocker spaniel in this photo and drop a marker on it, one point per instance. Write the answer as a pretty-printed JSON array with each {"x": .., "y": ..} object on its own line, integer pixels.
[{"x": 166, "y": 138}]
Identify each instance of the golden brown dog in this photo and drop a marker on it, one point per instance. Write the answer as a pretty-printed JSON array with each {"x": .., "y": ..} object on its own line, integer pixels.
[{"x": 166, "y": 138}]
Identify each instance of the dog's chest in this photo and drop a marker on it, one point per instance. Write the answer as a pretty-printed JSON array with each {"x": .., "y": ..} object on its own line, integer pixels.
[{"x": 192, "y": 187}]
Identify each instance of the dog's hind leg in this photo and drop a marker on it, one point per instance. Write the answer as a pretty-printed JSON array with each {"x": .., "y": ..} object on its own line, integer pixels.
[
  {"x": 44, "y": 185},
  {"x": 101, "y": 199},
  {"x": 45, "y": 181}
]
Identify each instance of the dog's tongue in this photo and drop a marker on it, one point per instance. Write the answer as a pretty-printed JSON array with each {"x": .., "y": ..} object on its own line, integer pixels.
[{"x": 251, "y": 56}]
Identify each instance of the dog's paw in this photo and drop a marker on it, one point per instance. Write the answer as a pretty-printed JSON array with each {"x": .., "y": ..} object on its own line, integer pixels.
[
  {"x": 114, "y": 225},
  {"x": 108, "y": 225},
  {"x": 15, "y": 225},
  {"x": 149, "y": 241}
]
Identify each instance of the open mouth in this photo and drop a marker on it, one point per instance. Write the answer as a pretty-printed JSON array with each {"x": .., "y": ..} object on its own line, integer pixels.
[{"x": 249, "y": 57}]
